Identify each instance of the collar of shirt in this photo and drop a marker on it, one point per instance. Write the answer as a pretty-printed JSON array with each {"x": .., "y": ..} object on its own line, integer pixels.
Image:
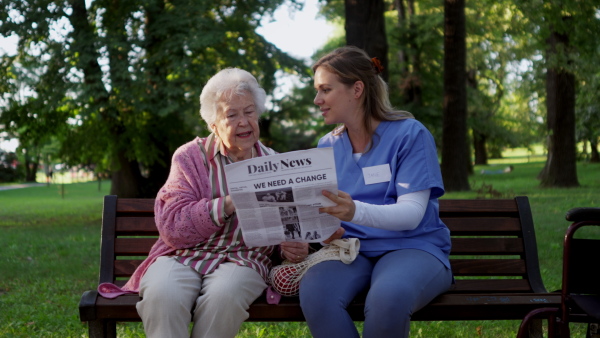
[{"x": 215, "y": 146}]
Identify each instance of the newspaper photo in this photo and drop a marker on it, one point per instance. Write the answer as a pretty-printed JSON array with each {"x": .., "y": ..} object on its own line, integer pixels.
[{"x": 277, "y": 198}]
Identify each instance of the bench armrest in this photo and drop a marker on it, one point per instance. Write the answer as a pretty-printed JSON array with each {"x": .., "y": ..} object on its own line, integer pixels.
[
  {"x": 87, "y": 306},
  {"x": 583, "y": 214}
]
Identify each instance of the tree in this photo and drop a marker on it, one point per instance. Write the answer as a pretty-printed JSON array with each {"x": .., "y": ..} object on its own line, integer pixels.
[
  {"x": 455, "y": 159},
  {"x": 587, "y": 113},
  {"x": 133, "y": 71},
  {"x": 10, "y": 171},
  {"x": 33, "y": 119},
  {"x": 493, "y": 37},
  {"x": 409, "y": 54},
  {"x": 365, "y": 28},
  {"x": 416, "y": 48},
  {"x": 562, "y": 33},
  {"x": 589, "y": 129},
  {"x": 560, "y": 169}
]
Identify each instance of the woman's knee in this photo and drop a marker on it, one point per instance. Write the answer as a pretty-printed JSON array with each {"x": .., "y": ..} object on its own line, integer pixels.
[
  {"x": 398, "y": 301},
  {"x": 405, "y": 286},
  {"x": 236, "y": 288},
  {"x": 168, "y": 283},
  {"x": 333, "y": 284}
]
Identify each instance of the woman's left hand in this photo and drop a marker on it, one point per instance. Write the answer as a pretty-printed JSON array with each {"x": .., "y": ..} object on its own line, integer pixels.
[
  {"x": 293, "y": 251},
  {"x": 345, "y": 208}
]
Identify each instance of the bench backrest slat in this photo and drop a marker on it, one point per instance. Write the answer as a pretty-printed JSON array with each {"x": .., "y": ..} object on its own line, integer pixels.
[
  {"x": 458, "y": 207},
  {"x": 135, "y": 205},
  {"x": 134, "y": 246},
  {"x": 488, "y": 267},
  {"x": 467, "y": 226},
  {"x": 493, "y": 242},
  {"x": 487, "y": 246},
  {"x": 137, "y": 226},
  {"x": 491, "y": 285}
]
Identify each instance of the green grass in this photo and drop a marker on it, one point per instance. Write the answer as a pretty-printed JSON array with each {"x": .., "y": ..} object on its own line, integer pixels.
[
  {"x": 48, "y": 257},
  {"x": 50, "y": 242}
]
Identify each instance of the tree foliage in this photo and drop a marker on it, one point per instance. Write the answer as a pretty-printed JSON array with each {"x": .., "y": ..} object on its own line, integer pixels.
[
  {"x": 507, "y": 67},
  {"x": 121, "y": 79},
  {"x": 588, "y": 114},
  {"x": 116, "y": 83},
  {"x": 562, "y": 31},
  {"x": 416, "y": 36},
  {"x": 9, "y": 170}
]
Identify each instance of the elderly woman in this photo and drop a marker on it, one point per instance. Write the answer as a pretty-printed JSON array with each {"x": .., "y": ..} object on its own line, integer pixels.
[{"x": 200, "y": 269}]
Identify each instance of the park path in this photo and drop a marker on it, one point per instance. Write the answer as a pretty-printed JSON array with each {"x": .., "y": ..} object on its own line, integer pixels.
[{"x": 20, "y": 185}]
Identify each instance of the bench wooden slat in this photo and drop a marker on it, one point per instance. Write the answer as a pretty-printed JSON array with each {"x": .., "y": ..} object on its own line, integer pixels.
[
  {"x": 462, "y": 246},
  {"x": 135, "y": 205},
  {"x": 485, "y": 307},
  {"x": 490, "y": 286},
  {"x": 453, "y": 208},
  {"x": 133, "y": 246},
  {"x": 447, "y": 206},
  {"x": 487, "y": 246},
  {"x": 488, "y": 267},
  {"x": 480, "y": 226},
  {"x": 132, "y": 226},
  {"x": 460, "y": 267},
  {"x": 126, "y": 267},
  {"x": 458, "y": 226},
  {"x": 445, "y": 307}
]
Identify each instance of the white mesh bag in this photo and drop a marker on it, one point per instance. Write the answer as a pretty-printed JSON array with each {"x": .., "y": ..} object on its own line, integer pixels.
[{"x": 285, "y": 278}]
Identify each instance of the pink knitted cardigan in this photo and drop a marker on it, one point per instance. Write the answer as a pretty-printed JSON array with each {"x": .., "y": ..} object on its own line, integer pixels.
[{"x": 181, "y": 213}]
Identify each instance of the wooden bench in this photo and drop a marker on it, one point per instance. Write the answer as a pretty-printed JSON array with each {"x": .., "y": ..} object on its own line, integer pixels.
[{"x": 494, "y": 259}]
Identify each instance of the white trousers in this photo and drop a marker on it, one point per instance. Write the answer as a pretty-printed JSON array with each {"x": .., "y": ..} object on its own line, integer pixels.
[{"x": 173, "y": 295}]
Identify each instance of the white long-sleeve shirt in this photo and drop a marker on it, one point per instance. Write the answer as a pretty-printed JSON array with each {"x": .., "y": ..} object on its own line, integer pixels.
[{"x": 406, "y": 214}]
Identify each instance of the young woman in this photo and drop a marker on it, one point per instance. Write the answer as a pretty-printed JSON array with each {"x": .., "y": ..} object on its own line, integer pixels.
[{"x": 390, "y": 181}]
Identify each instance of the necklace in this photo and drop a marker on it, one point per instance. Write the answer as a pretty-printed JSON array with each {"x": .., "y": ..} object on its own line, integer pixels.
[{"x": 235, "y": 159}]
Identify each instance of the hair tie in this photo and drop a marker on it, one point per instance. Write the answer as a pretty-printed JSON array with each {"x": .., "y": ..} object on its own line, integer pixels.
[{"x": 377, "y": 65}]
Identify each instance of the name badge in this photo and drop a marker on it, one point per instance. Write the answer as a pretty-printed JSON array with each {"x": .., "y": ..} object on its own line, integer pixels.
[{"x": 377, "y": 174}]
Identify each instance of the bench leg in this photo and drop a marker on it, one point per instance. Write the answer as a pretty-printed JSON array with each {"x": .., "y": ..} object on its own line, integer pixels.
[
  {"x": 102, "y": 329},
  {"x": 532, "y": 324},
  {"x": 535, "y": 328}
]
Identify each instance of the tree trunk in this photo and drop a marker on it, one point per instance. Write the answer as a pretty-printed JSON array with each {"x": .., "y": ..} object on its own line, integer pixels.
[
  {"x": 126, "y": 177},
  {"x": 560, "y": 169},
  {"x": 479, "y": 137},
  {"x": 481, "y": 157},
  {"x": 594, "y": 156},
  {"x": 410, "y": 67},
  {"x": 402, "y": 55},
  {"x": 365, "y": 28},
  {"x": 455, "y": 153},
  {"x": 31, "y": 168}
]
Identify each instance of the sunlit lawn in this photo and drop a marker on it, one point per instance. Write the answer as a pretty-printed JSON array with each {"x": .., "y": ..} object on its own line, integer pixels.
[{"x": 50, "y": 240}]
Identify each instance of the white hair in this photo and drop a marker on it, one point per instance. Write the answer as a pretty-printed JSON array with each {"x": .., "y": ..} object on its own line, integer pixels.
[{"x": 223, "y": 85}]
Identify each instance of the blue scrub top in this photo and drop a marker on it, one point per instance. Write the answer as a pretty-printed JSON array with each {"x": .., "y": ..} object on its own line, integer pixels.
[{"x": 409, "y": 149}]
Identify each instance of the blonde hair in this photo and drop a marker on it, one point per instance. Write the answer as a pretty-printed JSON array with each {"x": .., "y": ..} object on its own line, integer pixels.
[
  {"x": 223, "y": 86},
  {"x": 351, "y": 64}
]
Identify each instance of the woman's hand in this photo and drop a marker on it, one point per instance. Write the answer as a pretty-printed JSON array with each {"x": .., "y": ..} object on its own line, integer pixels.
[
  {"x": 293, "y": 251},
  {"x": 345, "y": 208},
  {"x": 336, "y": 235},
  {"x": 229, "y": 207}
]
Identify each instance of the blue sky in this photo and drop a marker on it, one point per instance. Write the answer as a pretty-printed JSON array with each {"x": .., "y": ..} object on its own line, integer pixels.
[{"x": 298, "y": 33}]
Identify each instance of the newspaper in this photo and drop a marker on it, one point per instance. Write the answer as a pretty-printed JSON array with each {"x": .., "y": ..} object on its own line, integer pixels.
[{"x": 277, "y": 198}]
